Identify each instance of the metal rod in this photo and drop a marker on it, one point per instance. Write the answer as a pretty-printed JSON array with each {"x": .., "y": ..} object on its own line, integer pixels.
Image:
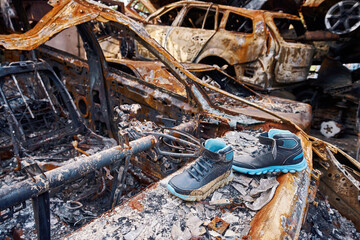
[
  {"x": 117, "y": 194},
  {"x": 172, "y": 138},
  {"x": 41, "y": 207},
  {"x": 22, "y": 96},
  {"x": 47, "y": 94},
  {"x": 17, "y": 193},
  {"x": 11, "y": 117}
]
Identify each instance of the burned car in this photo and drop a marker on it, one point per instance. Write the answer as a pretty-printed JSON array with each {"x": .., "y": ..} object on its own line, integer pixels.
[
  {"x": 168, "y": 94},
  {"x": 259, "y": 47}
]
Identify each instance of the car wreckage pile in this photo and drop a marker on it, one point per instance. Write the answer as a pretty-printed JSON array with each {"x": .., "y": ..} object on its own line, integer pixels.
[{"x": 92, "y": 134}]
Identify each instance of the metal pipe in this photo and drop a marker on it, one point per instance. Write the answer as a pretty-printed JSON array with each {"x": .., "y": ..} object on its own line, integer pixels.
[{"x": 18, "y": 193}]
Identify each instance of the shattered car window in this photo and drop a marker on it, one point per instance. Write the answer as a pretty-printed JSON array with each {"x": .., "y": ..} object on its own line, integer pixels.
[
  {"x": 238, "y": 23},
  {"x": 289, "y": 29}
]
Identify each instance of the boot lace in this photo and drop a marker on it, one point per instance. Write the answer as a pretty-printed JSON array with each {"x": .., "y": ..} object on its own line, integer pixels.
[
  {"x": 200, "y": 167},
  {"x": 262, "y": 150}
]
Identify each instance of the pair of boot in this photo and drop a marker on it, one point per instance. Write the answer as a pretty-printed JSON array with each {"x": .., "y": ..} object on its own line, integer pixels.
[{"x": 213, "y": 169}]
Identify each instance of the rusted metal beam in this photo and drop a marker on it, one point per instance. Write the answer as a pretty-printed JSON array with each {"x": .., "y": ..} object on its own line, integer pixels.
[
  {"x": 319, "y": 36},
  {"x": 18, "y": 193}
]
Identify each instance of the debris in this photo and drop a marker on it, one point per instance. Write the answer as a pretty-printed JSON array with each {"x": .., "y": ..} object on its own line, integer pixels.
[
  {"x": 230, "y": 235},
  {"x": 230, "y": 218},
  {"x": 261, "y": 201},
  {"x": 325, "y": 222},
  {"x": 220, "y": 202},
  {"x": 240, "y": 188},
  {"x": 177, "y": 234},
  {"x": 193, "y": 222},
  {"x": 218, "y": 225},
  {"x": 330, "y": 129},
  {"x": 216, "y": 196},
  {"x": 134, "y": 234},
  {"x": 265, "y": 185},
  {"x": 243, "y": 179}
]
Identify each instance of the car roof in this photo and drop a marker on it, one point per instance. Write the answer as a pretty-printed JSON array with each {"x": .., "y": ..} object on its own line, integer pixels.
[{"x": 226, "y": 8}]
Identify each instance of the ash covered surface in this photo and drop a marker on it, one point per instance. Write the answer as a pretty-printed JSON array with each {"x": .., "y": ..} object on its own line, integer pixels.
[
  {"x": 159, "y": 214},
  {"x": 325, "y": 222},
  {"x": 163, "y": 216},
  {"x": 156, "y": 214},
  {"x": 63, "y": 220},
  {"x": 272, "y": 103}
]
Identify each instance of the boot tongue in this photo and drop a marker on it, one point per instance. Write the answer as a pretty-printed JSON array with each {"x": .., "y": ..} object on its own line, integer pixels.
[
  {"x": 265, "y": 139},
  {"x": 275, "y": 131},
  {"x": 212, "y": 156}
]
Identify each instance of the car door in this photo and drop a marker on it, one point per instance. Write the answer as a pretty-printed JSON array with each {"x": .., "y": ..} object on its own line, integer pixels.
[
  {"x": 293, "y": 58},
  {"x": 197, "y": 26},
  {"x": 158, "y": 26},
  {"x": 241, "y": 38}
]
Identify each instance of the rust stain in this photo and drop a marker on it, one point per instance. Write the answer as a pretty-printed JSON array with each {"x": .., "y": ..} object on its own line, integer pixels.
[
  {"x": 135, "y": 204},
  {"x": 218, "y": 225}
]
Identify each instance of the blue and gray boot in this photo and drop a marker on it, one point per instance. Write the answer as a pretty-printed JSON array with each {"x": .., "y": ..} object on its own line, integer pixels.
[
  {"x": 282, "y": 152},
  {"x": 209, "y": 172}
]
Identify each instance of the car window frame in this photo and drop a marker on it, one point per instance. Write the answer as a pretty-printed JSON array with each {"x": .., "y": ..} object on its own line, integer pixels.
[
  {"x": 207, "y": 9},
  {"x": 152, "y": 18},
  {"x": 226, "y": 18}
]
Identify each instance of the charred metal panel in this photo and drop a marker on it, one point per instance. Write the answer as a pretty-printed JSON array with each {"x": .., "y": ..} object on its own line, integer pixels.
[{"x": 154, "y": 72}]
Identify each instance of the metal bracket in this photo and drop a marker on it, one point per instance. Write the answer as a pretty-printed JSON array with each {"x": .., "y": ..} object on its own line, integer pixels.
[
  {"x": 342, "y": 169},
  {"x": 41, "y": 203},
  {"x": 33, "y": 169}
]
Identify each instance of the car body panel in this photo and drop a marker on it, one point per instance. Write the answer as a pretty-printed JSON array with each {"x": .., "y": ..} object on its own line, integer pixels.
[{"x": 261, "y": 58}]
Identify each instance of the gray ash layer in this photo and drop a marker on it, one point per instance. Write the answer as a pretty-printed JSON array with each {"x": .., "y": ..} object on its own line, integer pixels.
[
  {"x": 168, "y": 217},
  {"x": 324, "y": 222},
  {"x": 164, "y": 216},
  {"x": 174, "y": 218}
]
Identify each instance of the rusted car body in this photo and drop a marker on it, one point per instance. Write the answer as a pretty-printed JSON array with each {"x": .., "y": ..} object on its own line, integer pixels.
[
  {"x": 259, "y": 46},
  {"x": 174, "y": 94}
]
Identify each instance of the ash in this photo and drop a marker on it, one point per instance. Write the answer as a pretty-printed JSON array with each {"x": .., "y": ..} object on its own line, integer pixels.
[
  {"x": 325, "y": 222},
  {"x": 168, "y": 217},
  {"x": 77, "y": 203},
  {"x": 159, "y": 214}
]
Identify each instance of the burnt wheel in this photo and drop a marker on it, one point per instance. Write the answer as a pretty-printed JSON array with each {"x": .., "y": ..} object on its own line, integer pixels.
[{"x": 343, "y": 17}]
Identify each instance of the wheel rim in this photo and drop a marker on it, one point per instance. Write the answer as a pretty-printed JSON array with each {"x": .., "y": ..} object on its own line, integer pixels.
[{"x": 343, "y": 17}]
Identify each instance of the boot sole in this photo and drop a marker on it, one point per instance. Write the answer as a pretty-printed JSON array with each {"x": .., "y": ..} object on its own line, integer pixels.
[
  {"x": 217, "y": 185},
  {"x": 283, "y": 168}
]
